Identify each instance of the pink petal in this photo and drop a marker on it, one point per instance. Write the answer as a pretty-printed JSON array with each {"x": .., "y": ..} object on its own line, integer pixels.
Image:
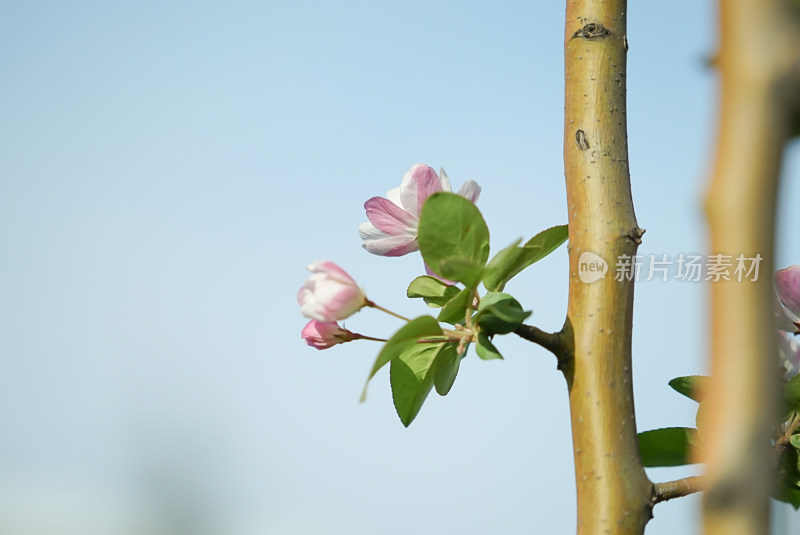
[
  {"x": 787, "y": 282},
  {"x": 330, "y": 269},
  {"x": 418, "y": 184},
  {"x": 388, "y": 217},
  {"x": 323, "y": 335}
]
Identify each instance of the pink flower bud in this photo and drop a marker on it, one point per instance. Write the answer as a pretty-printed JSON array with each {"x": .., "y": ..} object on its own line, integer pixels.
[
  {"x": 329, "y": 294},
  {"x": 325, "y": 334}
]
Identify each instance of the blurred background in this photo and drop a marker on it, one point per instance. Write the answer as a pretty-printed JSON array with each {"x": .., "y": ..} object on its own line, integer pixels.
[{"x": 167, "y": 170}]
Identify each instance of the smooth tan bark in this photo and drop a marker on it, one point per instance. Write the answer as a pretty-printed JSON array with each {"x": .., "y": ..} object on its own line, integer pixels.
[
  {"x": 759, "y": 64},
  {"x": 614, "y": 495}
]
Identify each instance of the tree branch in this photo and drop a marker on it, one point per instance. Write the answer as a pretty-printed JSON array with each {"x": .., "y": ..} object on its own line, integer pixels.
[
  {"x": 613, "y": 492},
  {"x": 679, "y": 488},
  {"x": 550, "y": 341}
]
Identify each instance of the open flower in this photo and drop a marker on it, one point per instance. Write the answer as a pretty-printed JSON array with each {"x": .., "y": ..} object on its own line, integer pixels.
[
  {"x": 393, "y": 221},
  {"x": 787, "y": 284},
  {"x": 329, "y": 294},
  {"x": 325, "y": 334}
]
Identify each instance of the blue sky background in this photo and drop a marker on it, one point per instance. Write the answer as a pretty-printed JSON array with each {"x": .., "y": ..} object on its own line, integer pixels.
[{"x": 167, "y": 169}]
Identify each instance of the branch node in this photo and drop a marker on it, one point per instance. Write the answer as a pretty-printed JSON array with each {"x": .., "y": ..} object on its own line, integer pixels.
[
  {"x": 591, "y": 31},
  {"x": 580, "y": 139},
  {"x": 635, "y": 235}
]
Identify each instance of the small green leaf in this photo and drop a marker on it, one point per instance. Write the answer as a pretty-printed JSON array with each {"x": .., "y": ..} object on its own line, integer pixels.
[
  {"x": 432, "y": 290},
  {"x": 499, "y": 313},
  {"x": 502, "y": 267},
  {"x": 485, "y": 349},
  {"x": 462, "y": 270},
  {"x": 791, "y": 392},
  {"x": 512, "y": 260},
  {"x": 549, "y": 240},
  {"x": 445, "y": 368},
  {"x": 413, "y": 331},
  {"x": 669, "y": 446},
  {"x": 411, "y": 379},
  {"x": 455, "y": 311},
  {"x": 451, "y": 227},
  {"x": 794, "y": 440},
  {"x": 692, "y": 386}
]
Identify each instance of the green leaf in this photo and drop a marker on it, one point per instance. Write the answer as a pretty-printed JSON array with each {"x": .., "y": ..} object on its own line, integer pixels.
[
  {"x": 791, "y": 392},
  {"x": 462, "y": 270},
  {"x": 509, "y": 262},
  {"x": 794, "y": 440},
  {"x": 445, "y": 368},
  {"x": 451, "y": 227},
  {"x": 692, "y": 386},
  {"x": 788, "y": 478},
  {"x": 549, "y": 239},
  {"x": 485, "y": 349},
  {"x": 413, "y": 331},
  {"x": 787, "y": 495},
  {"x": 499, "y": 313},
  {"x": 455, "y": 311},
  {"x": 411, "y": 379},
  {"x": 432, "y": 290},
  {"x": 670, "y": 446}
]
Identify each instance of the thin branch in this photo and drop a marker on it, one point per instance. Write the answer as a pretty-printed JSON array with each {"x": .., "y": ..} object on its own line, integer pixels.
[
  {"x": 549, "y": 341},
  {"x": 679, "y": 488}
]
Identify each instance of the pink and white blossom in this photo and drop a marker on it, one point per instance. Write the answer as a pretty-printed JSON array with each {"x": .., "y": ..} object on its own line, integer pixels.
[
  {"x": 787, "y": 311},
  {"x": 329, "y": 294},
  {"x": 393, "y": 220},
  {"x": 325, "y": 334},
  {"x": 787, "y": 282}
]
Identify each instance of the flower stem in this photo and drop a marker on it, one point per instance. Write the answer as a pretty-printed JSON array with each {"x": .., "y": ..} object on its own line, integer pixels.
[
  {"x": 372, "y": 304},
  {"x": 789, "y": 429},
  {"x": 357, "y": 336}
]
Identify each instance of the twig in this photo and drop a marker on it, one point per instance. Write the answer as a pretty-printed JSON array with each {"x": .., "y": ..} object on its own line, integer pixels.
[
  {"x": 550, "y": 341},
  {"x": 678, "y": 488}
]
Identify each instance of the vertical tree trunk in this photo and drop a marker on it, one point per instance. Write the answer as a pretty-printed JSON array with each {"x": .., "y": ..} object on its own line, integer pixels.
[
  {"x": 614, "y": 494},
  {"x": 759, "y": 64}
]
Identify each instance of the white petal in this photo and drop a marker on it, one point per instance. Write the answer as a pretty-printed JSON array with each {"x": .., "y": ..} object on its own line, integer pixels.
[
  {"x": 408, "y": 193},
  {"x": 367, "y": 231},
  {"x": 394, "y": 196},
  {"x": 380, "y": 243},
  {"x": 444, "y": 180},
  {"x": 471, "y": 190}
]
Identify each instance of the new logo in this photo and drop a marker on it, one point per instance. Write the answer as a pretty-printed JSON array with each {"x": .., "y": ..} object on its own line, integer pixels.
[{"x": 591, "y": 267}]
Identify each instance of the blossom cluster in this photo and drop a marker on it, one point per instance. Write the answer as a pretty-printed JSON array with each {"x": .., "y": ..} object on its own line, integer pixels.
[{"x": 330, "y": 294}]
